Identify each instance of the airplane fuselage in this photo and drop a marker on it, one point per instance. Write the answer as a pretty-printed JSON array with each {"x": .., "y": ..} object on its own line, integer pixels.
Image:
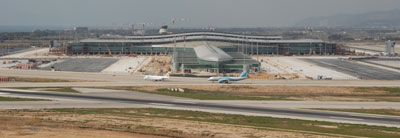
[
  {"x": 226, "y": 78},
  {"x": 156, "y": 78},
  {"x": 229, "y": 79}
]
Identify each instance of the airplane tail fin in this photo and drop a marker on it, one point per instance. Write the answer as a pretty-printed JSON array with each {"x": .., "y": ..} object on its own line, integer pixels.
[
  {"x": 167, "y": 75},
  {"x": 244, "y": 74}
]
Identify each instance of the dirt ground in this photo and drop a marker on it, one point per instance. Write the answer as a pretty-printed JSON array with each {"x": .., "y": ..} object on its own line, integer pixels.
[
  {"x": 266, "y": 76},
  {"x": 19, "y": 123},
  {"x": 157, "y": 65},
  {"x": 29, "y": 126}
]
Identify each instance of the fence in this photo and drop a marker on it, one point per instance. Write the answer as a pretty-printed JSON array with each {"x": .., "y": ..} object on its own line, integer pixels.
[
  {"x": 25, "y": 66},
  {"x": 4, "y": 79}
]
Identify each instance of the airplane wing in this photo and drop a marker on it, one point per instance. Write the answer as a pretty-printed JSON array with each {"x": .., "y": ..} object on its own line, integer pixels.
[{"x": 223, "y": 81}]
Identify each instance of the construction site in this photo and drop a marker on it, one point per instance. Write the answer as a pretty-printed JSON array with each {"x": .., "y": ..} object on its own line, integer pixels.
[{"x": 204, "y": 54}]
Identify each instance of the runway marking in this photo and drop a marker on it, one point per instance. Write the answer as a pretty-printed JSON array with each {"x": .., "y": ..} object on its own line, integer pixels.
[
  {"x": 375, "y": 116},
  {"x": 346, "y": 118},
  {"x": 160, "y": 104},
  {"x": 189, "y": 102}
]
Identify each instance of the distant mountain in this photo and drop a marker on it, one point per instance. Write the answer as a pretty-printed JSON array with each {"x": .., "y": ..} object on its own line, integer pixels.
[
  {"x": 26, "y": 28},
  {"x": 371, "y": 19}
]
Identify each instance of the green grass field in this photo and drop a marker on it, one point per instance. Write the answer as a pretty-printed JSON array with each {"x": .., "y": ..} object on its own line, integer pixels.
[
  {"x": 206, "y": 95},
  {"x": 389, "y": 94},
  {"x": 12, "y": 99},
  {"x": 19, "y": 79}
]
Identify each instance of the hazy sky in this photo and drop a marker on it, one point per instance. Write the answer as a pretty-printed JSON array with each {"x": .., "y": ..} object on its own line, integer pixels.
[{"x": 229, "y": 13}]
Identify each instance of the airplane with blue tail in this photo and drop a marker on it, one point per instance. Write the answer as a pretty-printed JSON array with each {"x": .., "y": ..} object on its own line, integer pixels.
[{"x": 228, "y": 79}]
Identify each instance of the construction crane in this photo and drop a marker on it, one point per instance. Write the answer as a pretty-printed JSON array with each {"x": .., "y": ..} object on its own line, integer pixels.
[
  {"x": 140, "y": 24},
  {"x": 176, "y": 20},
  {"x": 132, "y": 26}
]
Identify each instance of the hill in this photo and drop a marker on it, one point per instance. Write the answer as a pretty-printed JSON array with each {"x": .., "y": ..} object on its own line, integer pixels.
[{"x": 370, "y": 19}]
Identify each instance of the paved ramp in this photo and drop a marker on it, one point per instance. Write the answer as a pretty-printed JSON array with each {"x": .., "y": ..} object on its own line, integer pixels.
[
  {"x": 83, "y": 64},
  {"x": 358, "y": 70}
]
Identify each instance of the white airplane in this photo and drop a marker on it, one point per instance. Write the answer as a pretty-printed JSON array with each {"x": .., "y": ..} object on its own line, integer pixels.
[
  {"x": 228, "y": 79},
  {"x": 157, "y": 78}
]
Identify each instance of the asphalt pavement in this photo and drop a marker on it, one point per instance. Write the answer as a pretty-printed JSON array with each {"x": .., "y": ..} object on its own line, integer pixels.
[{"x": 91, "y": 79}]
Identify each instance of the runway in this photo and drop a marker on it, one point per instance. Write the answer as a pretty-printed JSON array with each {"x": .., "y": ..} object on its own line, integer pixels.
[
  {"x": 103, "y": 79},
  {"x": 103, "y": 101}
]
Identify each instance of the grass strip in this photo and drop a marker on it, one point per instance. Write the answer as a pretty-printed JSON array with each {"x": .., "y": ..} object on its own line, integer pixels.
[
  {"x": 14, "y": 99},
  {"x": 254, "y": 121},
  {"x": 19, "y": 79},
  {"x": 393, "y": 112},
  {"x": 63, "y": 89},
  {"x": 208, "y": 95},
  {"x": 49, "y": 89},
  {"x": 391, "y": 91}
]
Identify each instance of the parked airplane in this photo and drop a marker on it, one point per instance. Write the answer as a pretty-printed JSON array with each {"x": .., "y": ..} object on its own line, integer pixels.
[
  {"x": 157, "y": 78},
  {"x": 228, "y": 79}
]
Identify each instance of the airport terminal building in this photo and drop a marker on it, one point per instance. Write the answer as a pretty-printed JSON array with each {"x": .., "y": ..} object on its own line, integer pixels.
[
  {"x": 252, "y": 45},
  {"x": 227, "y": 58}
]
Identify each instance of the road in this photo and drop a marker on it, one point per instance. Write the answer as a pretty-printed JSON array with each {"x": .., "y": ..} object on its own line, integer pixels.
[{"x": 104, "y": 101}]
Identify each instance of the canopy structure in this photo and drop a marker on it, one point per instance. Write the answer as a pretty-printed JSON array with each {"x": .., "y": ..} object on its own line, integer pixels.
[{"x": 212, "y": 53}]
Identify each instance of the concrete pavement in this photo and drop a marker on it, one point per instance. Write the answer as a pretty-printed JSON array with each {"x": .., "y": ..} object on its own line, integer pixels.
[{"x": 101, "y": 79}]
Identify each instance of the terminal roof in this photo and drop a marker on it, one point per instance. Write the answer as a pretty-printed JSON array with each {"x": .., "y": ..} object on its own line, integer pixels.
[{"x": 211, "y": 53}]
